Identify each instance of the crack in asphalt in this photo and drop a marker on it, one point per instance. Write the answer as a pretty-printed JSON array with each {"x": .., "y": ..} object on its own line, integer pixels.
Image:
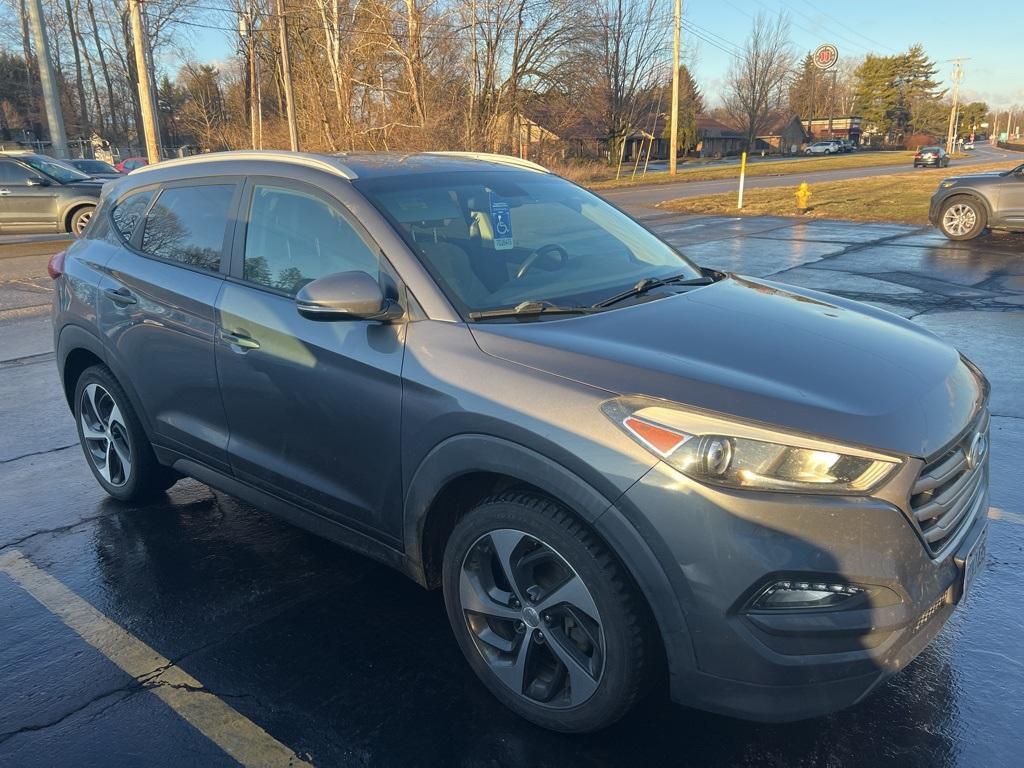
[
  {"x": 125, "y": 689},
  {"x": 58, "y": 529},
  {"x": 38, "y": 453},
  {"x": 131, "y": 688}
]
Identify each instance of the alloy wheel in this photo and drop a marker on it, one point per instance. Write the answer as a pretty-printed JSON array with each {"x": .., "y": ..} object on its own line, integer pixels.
[
  {"x": 532, "y": 619},
  {"x": 82, "y": 221},
  {"x": 959, "y": 219},
  {"x": 105, "y": 435}
]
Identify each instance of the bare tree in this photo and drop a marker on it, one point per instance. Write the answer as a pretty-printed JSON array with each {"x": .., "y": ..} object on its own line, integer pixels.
[{"x": 756, "y": 85}]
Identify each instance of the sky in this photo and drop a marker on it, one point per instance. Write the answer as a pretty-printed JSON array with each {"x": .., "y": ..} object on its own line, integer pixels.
[{"x": 989, "y": 38}]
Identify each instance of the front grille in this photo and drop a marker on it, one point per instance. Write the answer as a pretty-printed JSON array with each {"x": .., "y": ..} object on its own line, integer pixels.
[{"x": 949, "y": 489}]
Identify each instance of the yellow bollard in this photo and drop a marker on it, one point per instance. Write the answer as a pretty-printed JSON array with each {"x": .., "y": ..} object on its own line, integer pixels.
[{"x": 803, "y": 196}]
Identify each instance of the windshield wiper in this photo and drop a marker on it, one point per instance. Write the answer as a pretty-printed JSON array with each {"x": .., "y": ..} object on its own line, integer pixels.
[
  {"x": 649, "y": 283},
  {"x": 530, "y": 309}
]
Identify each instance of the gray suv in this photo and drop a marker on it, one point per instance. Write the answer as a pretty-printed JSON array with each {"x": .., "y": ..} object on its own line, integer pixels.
[
  {"x": 619, "y": 467},
  {"x": 40, "y": 194},
  {"x": 963, "y": 206}
]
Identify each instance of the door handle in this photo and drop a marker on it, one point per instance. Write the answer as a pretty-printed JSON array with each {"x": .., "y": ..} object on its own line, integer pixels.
[
  {"x": 120, "y": 296},
  {"x": 240, "y": 339}
]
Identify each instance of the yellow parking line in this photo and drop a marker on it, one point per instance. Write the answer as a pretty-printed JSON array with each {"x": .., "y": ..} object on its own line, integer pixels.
[
  {"x": 995, "y": 513},
  {"x": 238, "y": 736}
]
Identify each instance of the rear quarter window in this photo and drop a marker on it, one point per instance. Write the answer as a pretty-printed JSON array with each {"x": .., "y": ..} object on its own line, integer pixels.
[
  {"x": 127, "y": 213},
  {"x": 188, "y": 225}
]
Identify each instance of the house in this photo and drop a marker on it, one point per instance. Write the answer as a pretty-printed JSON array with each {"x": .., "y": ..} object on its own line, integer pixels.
[
  {"x": 835, "y": 127},
  {"x": 716, "y": 139},
  {"x": 784, "y": 135}
]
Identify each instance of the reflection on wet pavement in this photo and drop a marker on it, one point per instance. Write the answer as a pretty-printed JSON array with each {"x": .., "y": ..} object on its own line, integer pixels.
[{"x": 348, "y": 663}]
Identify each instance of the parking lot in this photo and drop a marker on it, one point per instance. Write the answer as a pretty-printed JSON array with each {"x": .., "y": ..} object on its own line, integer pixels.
[{"x": 200, "y": 630}]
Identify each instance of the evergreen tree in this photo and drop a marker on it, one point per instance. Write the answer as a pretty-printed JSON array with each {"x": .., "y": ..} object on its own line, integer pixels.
[
  {"x": 691, "y": 104},
  {"x": 897, "y": 95},
  {"x": 808, "y": 90}
]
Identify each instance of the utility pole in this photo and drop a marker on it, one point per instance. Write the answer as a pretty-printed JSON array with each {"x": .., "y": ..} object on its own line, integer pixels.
[
  {"x": 958, "y": 75},
  {"x": 245, "y": 31},
  {"x": 673, "y": 144},
  {"x": 146, "y": 101},
  {"x": 286, "y": 73},
  {"x": 51, "y": 98}
]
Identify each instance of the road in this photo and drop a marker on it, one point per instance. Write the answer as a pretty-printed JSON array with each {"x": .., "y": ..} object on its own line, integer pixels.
[
  {"x": 642, "y": 199},
  {"x": 169, "y": 634}
]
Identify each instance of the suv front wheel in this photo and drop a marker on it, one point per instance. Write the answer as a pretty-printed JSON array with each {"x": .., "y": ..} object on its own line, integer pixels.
[
  {"x": 962, "y": 218},
  {"x": 544, "y": 614}
]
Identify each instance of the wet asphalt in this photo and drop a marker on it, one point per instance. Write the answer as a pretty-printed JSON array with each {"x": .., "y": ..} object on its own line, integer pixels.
[{"x": 347, "y": 663}]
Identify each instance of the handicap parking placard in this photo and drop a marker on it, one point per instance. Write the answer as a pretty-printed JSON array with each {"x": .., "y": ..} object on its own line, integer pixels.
[{"x": 501, "y": 224}]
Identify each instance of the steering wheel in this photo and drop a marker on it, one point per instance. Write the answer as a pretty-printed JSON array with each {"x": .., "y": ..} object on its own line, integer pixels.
[{"x": 544, "y": 250}]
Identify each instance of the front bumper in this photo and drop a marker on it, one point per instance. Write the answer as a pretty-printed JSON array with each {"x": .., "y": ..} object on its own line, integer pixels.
[{"x": 719, "y": 547}]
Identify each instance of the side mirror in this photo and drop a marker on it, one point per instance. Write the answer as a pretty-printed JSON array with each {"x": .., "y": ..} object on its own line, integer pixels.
[
  {"x": 36, "y": 181},
  {"x": 346, "y": 296}
]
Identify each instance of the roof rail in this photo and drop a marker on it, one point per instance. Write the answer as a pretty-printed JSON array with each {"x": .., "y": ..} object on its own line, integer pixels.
[
  {"x": 491, "y": 157},
  {"x": 320, "y": 162}
]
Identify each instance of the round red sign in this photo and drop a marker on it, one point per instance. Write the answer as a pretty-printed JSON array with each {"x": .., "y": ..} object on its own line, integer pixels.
[{"x": 825, "y": 56}]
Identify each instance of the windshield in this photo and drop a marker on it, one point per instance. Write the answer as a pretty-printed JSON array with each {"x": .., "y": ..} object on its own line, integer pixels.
[
  {"x": 496, "y": 239},
  {"x": 94, "y": 166},
  {"x": 55, "y": 169}
]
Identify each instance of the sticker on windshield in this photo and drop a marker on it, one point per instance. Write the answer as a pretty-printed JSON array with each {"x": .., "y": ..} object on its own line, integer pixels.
[{"x": 501, "y": 223}]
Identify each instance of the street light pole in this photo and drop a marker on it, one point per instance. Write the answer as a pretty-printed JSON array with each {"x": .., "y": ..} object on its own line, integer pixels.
[
  {"x": 47, "y": 78},
  {"x": 958, "y": 75}
]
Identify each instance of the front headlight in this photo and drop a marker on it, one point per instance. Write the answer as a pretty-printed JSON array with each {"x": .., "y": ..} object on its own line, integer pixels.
[{"x": 740, "y": 455}]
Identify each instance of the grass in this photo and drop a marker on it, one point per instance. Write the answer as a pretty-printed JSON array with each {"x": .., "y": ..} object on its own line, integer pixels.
[
  {"x": 901, "y": 198},
  {"x": 754, "y": 168}
]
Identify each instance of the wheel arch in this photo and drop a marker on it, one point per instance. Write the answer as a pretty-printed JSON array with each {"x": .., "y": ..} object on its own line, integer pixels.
[
  {"x": 967, "y": 192},
  {"x": 74, "y": 207},
  {"x": 465, "y": 469},
  {"x": 77, "y": 349}
]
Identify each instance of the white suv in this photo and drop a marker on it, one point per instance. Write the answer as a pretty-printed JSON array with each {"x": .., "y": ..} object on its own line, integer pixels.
[{"x": 823, "y": 148}]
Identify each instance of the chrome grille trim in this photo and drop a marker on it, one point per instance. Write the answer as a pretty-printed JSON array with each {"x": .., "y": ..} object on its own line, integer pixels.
[{"x": 948, "y": 491}]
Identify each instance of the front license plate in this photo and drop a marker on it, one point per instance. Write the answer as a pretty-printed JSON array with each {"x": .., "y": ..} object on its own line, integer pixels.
[{"x": 972, "y": 563}]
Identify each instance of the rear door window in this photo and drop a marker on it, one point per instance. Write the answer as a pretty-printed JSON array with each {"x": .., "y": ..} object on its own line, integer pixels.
[
  {"x": 188, "y": 225},
  {"x": 127, "y": 213}
]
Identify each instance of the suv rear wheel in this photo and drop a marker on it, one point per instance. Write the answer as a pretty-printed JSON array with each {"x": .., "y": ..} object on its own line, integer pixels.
[
  {"x": 115, "y": 445},
  {"x": 544, "y": 614},
  {"x": 962, "y": 218}
]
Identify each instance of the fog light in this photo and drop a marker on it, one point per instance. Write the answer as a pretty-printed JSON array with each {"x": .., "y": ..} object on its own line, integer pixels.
[{"x": 784, "y": 595}]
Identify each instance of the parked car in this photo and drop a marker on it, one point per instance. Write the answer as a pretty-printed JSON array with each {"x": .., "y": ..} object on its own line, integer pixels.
[
  {"x": 845, "y": 145},
  {"x": 98, "y": 169},
  {"x": 129, "y": 164},
  {"x": 931, "y": 157},
  {"x": 968, "y": 145},
  {"x": 963, "y": 206},
  {"x": 823, "y": 148},
  {"x": 40, "y": 194},
  {"x": 614, "y": 463}
]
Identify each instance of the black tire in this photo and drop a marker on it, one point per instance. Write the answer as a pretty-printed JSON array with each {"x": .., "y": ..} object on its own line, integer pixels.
[
  {"x": 80, "y": 219},
  {"x": 113, "y": 437},
  {"x": 962, "y": 218},
  {"x": 623, "y": 630}
]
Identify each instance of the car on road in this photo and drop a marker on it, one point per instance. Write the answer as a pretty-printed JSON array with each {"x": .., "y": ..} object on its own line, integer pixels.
[
  {"x": 129, "y": 164},
  {"x": 935, "y": 157},
  {"x": 98, "y": 169},
  {"x": 618, "y": 467},
  {"x": 40, "y": 194},
  {"x": 969, "y": 145},
  {"x": 824, "y": 148},
  {"x": 963, "y": 206}
]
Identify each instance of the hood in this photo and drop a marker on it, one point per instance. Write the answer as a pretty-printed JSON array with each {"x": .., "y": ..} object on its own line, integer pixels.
[
  {"x": 793, "y": 358},
  {"x": 88, "y": 186}
]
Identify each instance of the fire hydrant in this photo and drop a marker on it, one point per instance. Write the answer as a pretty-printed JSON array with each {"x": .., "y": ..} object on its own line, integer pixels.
[{"x": 803, "y": 196}]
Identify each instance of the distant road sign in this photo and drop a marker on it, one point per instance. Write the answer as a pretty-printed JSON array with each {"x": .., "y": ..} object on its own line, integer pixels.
[{"x": 825, "y": 56}]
